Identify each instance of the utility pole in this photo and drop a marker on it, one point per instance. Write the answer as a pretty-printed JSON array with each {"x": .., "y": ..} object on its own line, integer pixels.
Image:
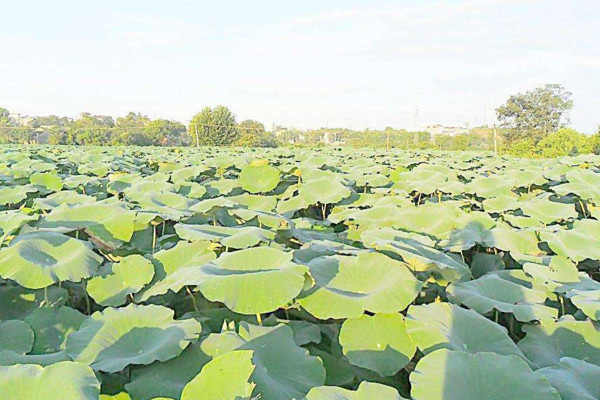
[
  {"x": 416, "y": 135},
  {"x": 495, "y": 141}
]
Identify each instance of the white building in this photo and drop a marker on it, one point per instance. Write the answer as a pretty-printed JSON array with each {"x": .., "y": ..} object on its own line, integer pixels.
[{"x": 446, "y": 130}]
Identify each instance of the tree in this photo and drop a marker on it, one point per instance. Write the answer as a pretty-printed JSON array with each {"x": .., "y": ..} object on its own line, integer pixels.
[
  {"x": 8, "y": 129},
  {"x": 162, "y": 132},
  {"x": 536, "y": 113},
  {"x": 130, "y": 130},
  {"x": 214, "y": 127},
  {"x": 564, "y": 142},
  {"x": 253, "y": 134},
  {"x": 90, "y": 130},
  {"x": 50, "y": 121}
]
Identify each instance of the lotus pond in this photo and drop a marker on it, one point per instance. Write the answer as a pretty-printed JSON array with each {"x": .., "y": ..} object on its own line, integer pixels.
[{"x": 317, "y": 274}]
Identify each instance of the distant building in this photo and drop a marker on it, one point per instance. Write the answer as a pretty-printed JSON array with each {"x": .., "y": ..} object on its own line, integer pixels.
[
  {"x": 446, "y": 130},
  {"x": 23, "y": 120},
  {"x": 332, "y": 138}
]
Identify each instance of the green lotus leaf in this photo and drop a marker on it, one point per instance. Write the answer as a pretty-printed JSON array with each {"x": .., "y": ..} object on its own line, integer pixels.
[
  {"x": 11, "y": 221},
  {"x": 545, "y": 344},
  {"x": 46, "y": 180},
  {"x": 490, "y": 292},
  {"x": 579, "y": 243},
  {"x": 253, "y": 281},
  {"x": 127, "y": 277},
  {"x": 324, "y": 191},
  {"x": 17, "y": 302},
  {"x": 16, "y": 336},
  {"x": 9, "y": 357},
  {"x": 225, "y": 378},
  {"x": 547, "y": 211},
  {"x": 259, "y": 178},
  {"x": 583, "y": 183},
  {"x": 437, "y": 221},
  {"x": 490, "y": 186},
  {"x": 501, "y": 203},
  {"x": 112, "y": 339},
  {"x": 268, "y": 219},
  {"x": 427, "y": 259},
  {"x": 574, "y": 379},
  {"x": 110, "y": 224},
  {"x": 52, "y": 326},
  {"x": 178, "y": 267},
  {"x": 256, "y": 202},
  {"x": 587, "y": 301},
  {"x": 446, "y": 326},
  {"x": 370, "y": 236},
  {"x": 191, "y": 190},
  {"x": 235, "y": 238},
  {"x": 379, "y": 343},
  {"x": 64, "y": 380},
  {"x": 170, "y": 205},
  {"x": 519, "y": 241},
  {"x": 304, "y": 332},
  {"x": 209, "y": 205},
  {"x": 15, "y": 194},
  {"x": 456, "y": 375},
  {"x": 167, "y": 378},
  {"x": 276, "y": 357},
  {"x": 483, "y": 263},
  {"x": 561, "y": 276},
  {"x": 346, "y": 286},
  {"x": 69, "y": 197},
  {"x": 39, "y": 259},
  {"x": 366, "y": 391},
  {"x": 468, "y": 232}
]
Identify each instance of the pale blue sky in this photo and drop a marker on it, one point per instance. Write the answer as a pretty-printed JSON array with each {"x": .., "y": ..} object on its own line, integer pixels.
[{"x": 306, "y": 63}]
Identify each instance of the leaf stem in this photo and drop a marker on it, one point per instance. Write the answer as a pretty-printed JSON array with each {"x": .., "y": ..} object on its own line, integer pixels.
[
  {"x": 189, "y": 292},
  {"x": 259, "y": 319}
]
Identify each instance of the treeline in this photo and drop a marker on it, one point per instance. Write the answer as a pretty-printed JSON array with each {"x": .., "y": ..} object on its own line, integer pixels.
[{"x": 532, "y": 124}]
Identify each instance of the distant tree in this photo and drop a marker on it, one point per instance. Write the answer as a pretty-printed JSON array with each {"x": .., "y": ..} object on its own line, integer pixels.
[
  {"x": 4, "y": 113},
  {"x": 130, "y": 130},
  {"x": 535, "y": 114},
  {"x": 594, "y": 142},
  {"x": 253, "y": 134},
  {"x": 8, "y": 129},
  {"x": 90, "y": 130},
  {"x": 214, "y": 127},
  {"x": 564, "y": 142},
  {"x": 50, "y": 120},
  {"x": 162, "y": 132}
]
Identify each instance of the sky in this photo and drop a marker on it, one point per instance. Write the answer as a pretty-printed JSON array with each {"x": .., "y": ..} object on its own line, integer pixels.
[{"x": 304, "y": 64}]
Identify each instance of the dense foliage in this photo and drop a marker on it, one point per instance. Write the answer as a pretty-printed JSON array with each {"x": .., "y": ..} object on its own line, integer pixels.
[
  {"x": 277, "y": 274},
  {"x": 536, "y": 113}
]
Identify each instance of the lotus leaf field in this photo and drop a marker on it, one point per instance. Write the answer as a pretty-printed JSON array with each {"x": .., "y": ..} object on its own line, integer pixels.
[{"x": 280, "y": 274}]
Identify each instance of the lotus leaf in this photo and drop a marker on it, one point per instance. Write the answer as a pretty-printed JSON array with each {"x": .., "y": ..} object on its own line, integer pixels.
[
  {"x": 39, "y": 259},
  {"x": 253, "y": 281},
  {"x": 63, "y": 380},
  {"x": 545, "y": 344},
  {"x": 490, "y": 292},
  {"x": 127, "y": 277},
  {"x": 225, "y": 378},
  {"x": 574, "y": 379},
  {"x": 346, "y": 286},
  {"x": 456, "y": 375},
  {"x": 16, "y": 336},
  {"x": 446, "y": 326},
  {"x": 276, "y": 357},
  {"x": 366, "y": 391},
  {"x": 379, "y": 343},
  {"x": 110, "y": 340}
]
